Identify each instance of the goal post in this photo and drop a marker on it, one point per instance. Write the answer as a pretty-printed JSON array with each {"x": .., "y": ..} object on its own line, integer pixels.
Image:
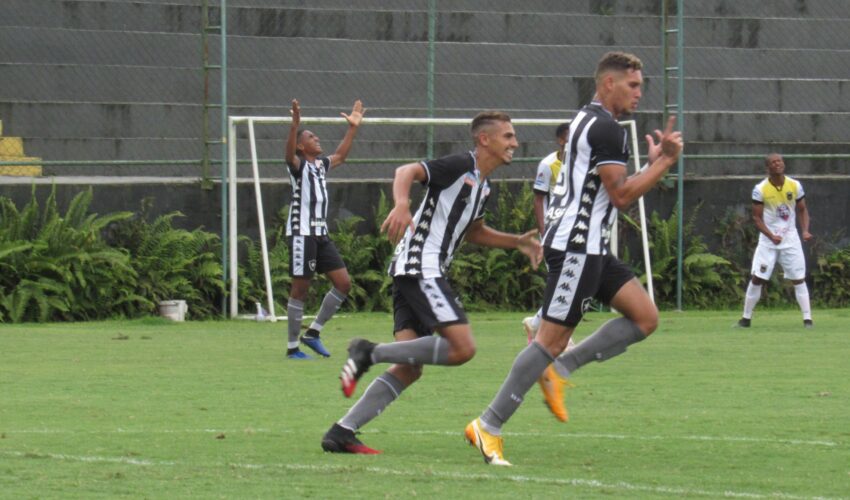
[{"x": 251, "y": 121}]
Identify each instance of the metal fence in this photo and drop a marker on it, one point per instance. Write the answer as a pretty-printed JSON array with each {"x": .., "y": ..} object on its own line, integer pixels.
[{"x": 108, "y": 87}]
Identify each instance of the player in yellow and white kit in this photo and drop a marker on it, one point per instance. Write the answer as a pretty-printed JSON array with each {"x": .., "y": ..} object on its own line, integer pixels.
[
  {"x": 544, "y": 190},
  {"x": 778, "y": 201},
  {"x": 544, "y": 185}
]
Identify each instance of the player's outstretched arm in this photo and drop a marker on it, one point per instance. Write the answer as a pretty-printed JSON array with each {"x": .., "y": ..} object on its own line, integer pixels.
[
  {"x": 399, "y": 218},
  {"x": 527, "y": 243},
  {"x": 624, "y": 190},
  {"x": 353, "y": 120},
  {"x": 292, "y": 140}
]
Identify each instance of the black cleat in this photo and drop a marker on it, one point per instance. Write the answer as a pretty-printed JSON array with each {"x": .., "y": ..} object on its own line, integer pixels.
[
  {"x": 807, "y": 323},
  {"x": 743, "y": 323},
  {"x": 338, "y": 439},
  {"x": 358, "y": 362}
]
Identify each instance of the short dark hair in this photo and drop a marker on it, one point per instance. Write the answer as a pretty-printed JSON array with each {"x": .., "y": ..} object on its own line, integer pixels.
[
  {"x": 562, "y": 130},
  {"x": 487, "y": 118},
  {"x": 769, "y": 156},
  {"x": 617, "y": 61}
]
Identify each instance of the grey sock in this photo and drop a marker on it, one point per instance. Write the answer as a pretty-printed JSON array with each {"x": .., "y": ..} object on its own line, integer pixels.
[
  {"x": 433, "y": 350},
  {"x": 330, "y": 305},
  {"x": 611, "y": 339},
  {"x": 527, "y": 368},
  {"x": 294, "y": 313},
  {"x": 381, "y": 392}
]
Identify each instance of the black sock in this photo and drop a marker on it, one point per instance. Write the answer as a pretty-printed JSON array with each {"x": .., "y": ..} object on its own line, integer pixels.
[
  {"x": 312, "y": 333},
  {"x": 292, "y": 351}
]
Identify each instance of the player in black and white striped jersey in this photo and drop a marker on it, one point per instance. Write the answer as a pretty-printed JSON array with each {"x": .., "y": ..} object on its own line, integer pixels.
[
  {"x": 423, "y": 300},
  {"x": 592, "y": 185},
  {"x": 311, "y": 251}
]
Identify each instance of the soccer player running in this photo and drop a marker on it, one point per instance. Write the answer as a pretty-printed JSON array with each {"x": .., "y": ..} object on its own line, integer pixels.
[
  {"x": 311, "y": 251},
  {"x": 776, "y": 200},
  {"x": 423, "y": 300},
  {"x": 592, "y": 185}
]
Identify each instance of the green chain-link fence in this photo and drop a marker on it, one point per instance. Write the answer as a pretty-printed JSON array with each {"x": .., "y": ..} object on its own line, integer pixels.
[{"x": 118, "y": 87}]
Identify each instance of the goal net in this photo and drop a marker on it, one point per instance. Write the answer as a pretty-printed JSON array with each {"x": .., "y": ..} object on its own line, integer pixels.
[{"x": 250, "y": 124}]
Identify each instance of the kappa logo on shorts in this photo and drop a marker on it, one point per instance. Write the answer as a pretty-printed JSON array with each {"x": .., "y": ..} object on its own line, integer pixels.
[
  {"x": 763, "y": 268},
  {"x": 312, "y": 265},
  {"x": 585, "y": 304}
]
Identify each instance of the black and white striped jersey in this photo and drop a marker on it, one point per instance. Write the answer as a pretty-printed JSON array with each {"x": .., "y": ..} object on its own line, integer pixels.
[
  {"x": 455, "y": 197},
  {"x": 308, "y": 210},
  {"x": 580, "y": 216}
]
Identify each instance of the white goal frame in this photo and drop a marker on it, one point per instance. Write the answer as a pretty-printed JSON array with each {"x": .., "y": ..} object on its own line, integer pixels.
[{"x": 232, "y": 234}]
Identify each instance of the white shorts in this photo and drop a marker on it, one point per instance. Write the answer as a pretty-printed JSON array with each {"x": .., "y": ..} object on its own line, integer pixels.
[{"x": 791, "y": 259}]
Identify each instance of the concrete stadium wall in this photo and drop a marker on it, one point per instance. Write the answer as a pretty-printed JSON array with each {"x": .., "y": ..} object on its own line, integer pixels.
[{"x": 106, "y": 80}]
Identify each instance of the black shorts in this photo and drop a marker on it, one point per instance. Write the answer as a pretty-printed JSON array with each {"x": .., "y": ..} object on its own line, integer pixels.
[
  {"x": 309, "y": 255},
  {"x": 424, "y": 304},
  {"x": 574, "y": 280}
]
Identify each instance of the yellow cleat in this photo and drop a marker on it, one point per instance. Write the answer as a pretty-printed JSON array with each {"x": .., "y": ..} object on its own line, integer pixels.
[
  {"x": 489, "y": 445},
  {"x": 553, "y": 386}
]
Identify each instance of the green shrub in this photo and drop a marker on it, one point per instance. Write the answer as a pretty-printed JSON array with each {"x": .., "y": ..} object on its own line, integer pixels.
[
  {"x": 172, "y": 263},
  {"x": 57, "y": 267},
  {"x": 831, "y": 279},
  {"x": 708, "y": 280}
]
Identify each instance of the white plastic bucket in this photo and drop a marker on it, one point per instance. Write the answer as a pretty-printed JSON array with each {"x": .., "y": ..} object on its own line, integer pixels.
[{"x": 174, "y": 310}]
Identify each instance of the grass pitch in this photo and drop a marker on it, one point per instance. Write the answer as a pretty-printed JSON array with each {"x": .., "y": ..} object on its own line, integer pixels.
[{"x": 212, "y": 409}]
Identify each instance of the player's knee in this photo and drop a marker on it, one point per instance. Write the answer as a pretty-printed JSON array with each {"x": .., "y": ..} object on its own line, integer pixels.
[
  {"x": 461, "y": 352},
  {"x": 343, "y": 287},
  {"x": 648, "y": 322},
  {"x": 298, "y": 291}
]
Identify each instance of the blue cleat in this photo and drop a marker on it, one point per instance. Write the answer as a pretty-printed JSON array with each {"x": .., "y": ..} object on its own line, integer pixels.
[
  {"x": 298, "y": 355},
  {"x": 315, "y": 343}
]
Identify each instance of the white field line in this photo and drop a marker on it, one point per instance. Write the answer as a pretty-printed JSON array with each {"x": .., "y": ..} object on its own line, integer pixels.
[
  {"x": 383, "y": 471},
  {"x": 577, "y": 435}
]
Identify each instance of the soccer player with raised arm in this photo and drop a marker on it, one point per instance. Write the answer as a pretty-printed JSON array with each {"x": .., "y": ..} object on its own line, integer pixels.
[
  {"x": 423, "y": 300},
  {"x": 311, "y": 250},
  {"x": 778, "y": 201},
  {"x": 592, "y": 185}
]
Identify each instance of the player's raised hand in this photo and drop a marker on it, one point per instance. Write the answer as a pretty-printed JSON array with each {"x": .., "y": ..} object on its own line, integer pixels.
[
  {"x": 295, "y": 113},
  {"x": 357, "y": 112},
  {"x": 669, "y": 143},
  {"x": 531, "y": 247},
  {"x": 397, "y": 222}
]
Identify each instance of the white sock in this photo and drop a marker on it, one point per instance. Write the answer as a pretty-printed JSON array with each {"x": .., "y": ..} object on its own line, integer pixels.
[
  {"x": 802, "y": 293},
  {"x": 751, "y": 299}
]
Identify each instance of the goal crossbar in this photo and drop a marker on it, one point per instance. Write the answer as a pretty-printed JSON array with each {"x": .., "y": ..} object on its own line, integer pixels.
[{"x": 250, "y": 121}]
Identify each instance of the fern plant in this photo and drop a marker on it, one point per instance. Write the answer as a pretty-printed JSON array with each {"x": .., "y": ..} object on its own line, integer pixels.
[
  {"x": 708, "y": 280},
  {"x": 172, "y": 263},
  {"x": 58, "y": 267}
]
